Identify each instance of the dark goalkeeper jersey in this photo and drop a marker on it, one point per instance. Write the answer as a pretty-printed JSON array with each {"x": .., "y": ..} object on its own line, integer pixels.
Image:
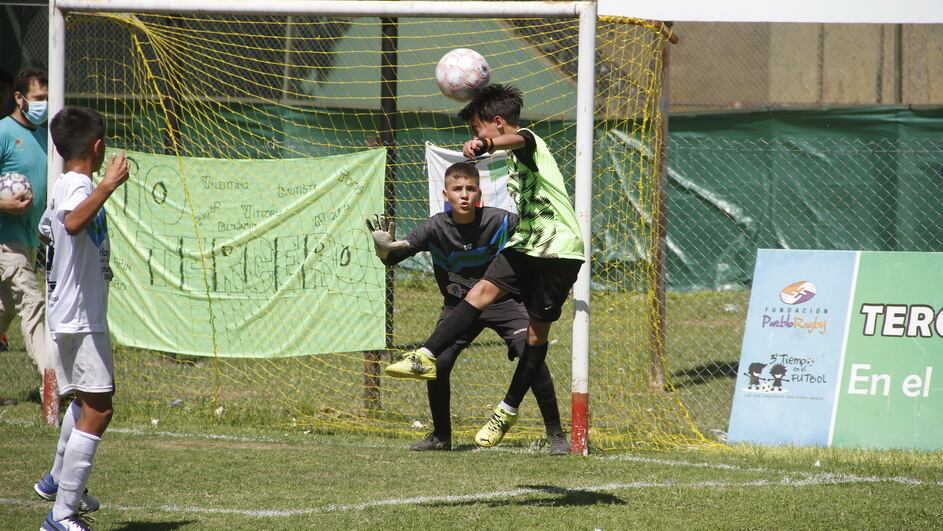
[{"x": 460, "y": 253}]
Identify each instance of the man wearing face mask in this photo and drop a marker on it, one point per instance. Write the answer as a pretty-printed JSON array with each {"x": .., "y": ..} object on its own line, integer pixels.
[{"x": 23, "y": 150}]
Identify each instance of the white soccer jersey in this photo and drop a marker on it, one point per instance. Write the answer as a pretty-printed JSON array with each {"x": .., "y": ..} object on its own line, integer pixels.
[{"x": 77, "y": 271}]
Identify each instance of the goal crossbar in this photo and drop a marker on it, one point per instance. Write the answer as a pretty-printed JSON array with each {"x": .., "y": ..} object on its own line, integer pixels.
[{"x": 340, "y": 8}]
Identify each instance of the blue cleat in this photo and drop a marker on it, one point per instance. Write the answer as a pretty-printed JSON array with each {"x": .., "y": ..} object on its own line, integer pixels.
[
  {"x": 72, "y": 523},
  {"x": 47, "y": 488}
]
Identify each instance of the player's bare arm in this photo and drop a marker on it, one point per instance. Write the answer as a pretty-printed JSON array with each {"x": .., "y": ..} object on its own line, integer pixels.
[
  {"x": 115, "y": 175},
  {"x": 478, "y": 146}
]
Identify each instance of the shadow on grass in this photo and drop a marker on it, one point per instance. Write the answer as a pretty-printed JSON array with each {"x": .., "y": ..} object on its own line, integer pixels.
[
  {"x": 152, "y": 526},
  {"x": 563, "y": 498},
  {"x": 34, "y": 396},
  {"x": 704, "y": 373}
]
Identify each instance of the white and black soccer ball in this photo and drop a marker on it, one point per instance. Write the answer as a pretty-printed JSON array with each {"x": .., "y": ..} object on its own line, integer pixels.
[
  {"x": 462, "y": 73},
  {"x": 13, "y": 184}
]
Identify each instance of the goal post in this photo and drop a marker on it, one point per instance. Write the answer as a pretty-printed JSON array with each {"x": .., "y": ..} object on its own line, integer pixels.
[
  {"x": 56, "y": 101},
  {"x": 625, "y": 121},
  {"x": 585, "y": 95}
]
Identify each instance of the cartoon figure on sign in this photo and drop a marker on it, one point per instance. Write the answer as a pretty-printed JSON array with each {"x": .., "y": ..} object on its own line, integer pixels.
[
  {"x": 754, "y": 373},
  {"x": 779, "y": 372}
]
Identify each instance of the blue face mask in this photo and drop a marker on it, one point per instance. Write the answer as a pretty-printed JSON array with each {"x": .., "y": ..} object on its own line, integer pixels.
[{"x": 36, "y": 112}]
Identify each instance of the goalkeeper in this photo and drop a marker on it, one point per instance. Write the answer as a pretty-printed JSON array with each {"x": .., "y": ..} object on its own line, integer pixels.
[{"x": 463, "y": 242}]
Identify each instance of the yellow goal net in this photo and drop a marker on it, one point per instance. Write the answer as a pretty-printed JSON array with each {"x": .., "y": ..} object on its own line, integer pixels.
[{"x": 245, "y": 284}]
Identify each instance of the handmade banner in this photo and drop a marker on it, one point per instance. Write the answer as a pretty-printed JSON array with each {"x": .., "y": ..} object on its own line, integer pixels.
[
  {"x": 247, "y": 258},
  {"x": 839, "y": 349}
]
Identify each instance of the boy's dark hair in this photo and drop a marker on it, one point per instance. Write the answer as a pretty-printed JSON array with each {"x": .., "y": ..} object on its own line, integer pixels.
[
  {"x": 462, "y": 169},
  {"x": 74, "y": 131},
  {"x": 25, "y": 78},
  {"x": 494, "y": 100}
]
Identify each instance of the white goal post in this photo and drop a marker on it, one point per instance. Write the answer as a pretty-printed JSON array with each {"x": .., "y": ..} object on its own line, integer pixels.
[{"x": 584, "y": 11}]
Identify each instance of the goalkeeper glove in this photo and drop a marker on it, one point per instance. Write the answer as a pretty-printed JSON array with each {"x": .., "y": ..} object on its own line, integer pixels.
[{"x": 384, "y": 236}]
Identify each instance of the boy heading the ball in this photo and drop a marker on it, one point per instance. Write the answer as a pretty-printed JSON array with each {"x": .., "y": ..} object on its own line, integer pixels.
[
  {"x": 77, "y": 276},
  {"x": 463, "y": 242},
  {"x": 537, "y": 267}
]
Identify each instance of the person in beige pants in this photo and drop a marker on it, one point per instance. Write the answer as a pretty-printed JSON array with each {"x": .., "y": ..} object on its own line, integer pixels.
[
  {"x": 23, "y": 150},
  {"x": 20, "y": 294}
]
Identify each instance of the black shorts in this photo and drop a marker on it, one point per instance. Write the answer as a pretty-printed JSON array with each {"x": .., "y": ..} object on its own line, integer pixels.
[
  {"x": 507, "y": 318},
  {"x": 542, "y": 284}
]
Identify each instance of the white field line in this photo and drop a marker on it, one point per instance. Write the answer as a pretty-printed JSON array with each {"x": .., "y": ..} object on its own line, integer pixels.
[
  {"x": 184, "y": 435},
  {"x": 161, "y": 433},
  {"x": 17, "y": 422},
  {"x": 793, "y": 479},
  {"x": 321, "y": 440},
  {"x": 789, "y": 482},
  {"x": 333, "y": 441},
  {"x": 696, "y": 464}
]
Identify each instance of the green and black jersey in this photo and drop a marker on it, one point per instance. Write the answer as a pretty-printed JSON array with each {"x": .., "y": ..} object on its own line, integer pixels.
[{"x": 547, "y": 226}]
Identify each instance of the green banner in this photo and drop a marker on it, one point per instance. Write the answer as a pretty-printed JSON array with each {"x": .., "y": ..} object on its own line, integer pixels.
[
  {"x": 247, "y": 258},
  {"x": 892, "y": 378}
]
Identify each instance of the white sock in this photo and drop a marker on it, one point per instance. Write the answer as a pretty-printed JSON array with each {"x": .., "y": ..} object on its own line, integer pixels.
[
  {"x": 76, "y": 467},
  {"x": 68, "y": 422},
  {"x": 509, "y": 409},
  {"x": 426, "y": 351}
]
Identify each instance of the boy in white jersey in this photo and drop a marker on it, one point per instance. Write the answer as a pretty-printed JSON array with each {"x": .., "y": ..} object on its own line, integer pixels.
[
  {"x": 77, "y": 276},
  {"x": 539, "y": 264}
]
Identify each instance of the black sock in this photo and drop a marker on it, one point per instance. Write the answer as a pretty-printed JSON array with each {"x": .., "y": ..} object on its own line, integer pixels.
[
  {"x": 451, "y": 328},
  {"x": 439, "y": 391},
  {"x": 525, "y": 374},
  {"x": 542, "y": 387}
]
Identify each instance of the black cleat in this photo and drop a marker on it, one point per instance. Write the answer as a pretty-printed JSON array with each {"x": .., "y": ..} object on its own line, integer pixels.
[
  {"x": 431, "y": 442},
  {"x": 559, "y": 444}
]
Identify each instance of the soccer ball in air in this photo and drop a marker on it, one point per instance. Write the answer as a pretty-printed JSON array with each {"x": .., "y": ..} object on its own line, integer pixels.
[
  {"x": 13, "y": 184},
  {"x": 461, "y": 73}
]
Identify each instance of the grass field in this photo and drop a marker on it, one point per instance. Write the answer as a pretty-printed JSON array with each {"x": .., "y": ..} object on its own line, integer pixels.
[
  {"x": 198, "y": 445},
  {"x": 157, "y": 480}
]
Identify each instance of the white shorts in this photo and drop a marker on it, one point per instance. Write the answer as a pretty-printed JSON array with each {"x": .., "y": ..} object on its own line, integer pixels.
[{"x": 83, "y": 362}]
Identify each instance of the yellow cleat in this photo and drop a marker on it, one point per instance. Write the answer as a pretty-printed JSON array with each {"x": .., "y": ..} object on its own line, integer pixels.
[
  {"x": 416, "y": 365},
  {"x": 494, "y": 430}
]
